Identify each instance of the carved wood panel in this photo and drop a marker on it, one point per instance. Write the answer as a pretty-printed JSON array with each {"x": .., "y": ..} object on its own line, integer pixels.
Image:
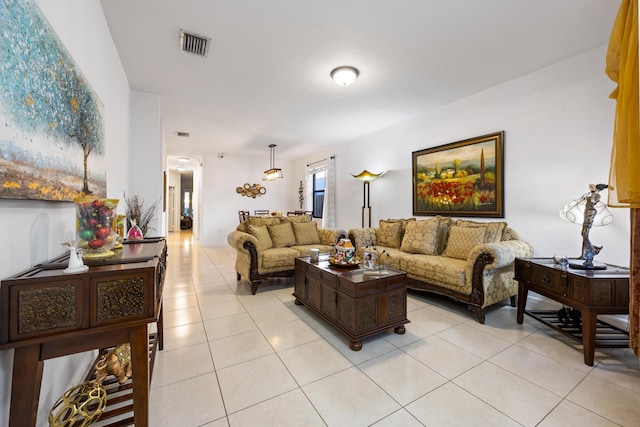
[
  {"x": 120, "y": 298},
  {"x": 41, "y": 309}
]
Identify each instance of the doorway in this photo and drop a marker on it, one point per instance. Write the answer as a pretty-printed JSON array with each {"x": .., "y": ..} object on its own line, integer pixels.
[{"x": 186, "y": 200}]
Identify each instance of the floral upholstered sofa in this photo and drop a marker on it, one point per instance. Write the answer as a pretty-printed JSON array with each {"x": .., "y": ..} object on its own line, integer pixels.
[
  {"x": 468, "y": 261},
  {"x": 268, "y": 246}
]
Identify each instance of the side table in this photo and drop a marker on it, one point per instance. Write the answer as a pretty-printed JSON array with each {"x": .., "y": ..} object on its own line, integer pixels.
[
  {"x": 45, "y": 313},
  {"x": 591, "y": 292}
]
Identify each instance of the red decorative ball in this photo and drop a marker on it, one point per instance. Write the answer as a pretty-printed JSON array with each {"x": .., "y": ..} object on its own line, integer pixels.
[
  {"x": 103, "y": 232},
  {"x": 96, "y": 243}
]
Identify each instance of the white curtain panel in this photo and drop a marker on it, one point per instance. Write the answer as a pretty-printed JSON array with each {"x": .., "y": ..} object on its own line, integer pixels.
[{"x": 329, "y": 208}]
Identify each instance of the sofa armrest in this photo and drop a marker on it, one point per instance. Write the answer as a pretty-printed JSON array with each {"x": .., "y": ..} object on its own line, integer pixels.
[
  {"x": 363, "y": 237},
  {"x": 502, "y": 253},
  {"x": 237, "y": 240},
  {"x": 490, "y": 272},
  {"x": 331, "y": 236}
]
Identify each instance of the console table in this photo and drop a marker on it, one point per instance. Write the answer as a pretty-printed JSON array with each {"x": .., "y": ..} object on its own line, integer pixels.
[
  {"x": 46, "y": 314},
  {"x": 591, "y": 292},
  {"x": 356, "y": 304}
]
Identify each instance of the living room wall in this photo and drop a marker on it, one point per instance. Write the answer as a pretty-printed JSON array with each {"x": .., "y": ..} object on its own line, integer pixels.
[
  {"x": 558, "y": 125},
  {"x": 219, "y": 202},
  {"x": 32, "y": 231}
]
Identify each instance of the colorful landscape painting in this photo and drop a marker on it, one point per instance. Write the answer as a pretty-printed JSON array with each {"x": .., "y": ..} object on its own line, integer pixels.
[
  {"x": 464, "y": 178},
  {"x": 51, "y": 129}
]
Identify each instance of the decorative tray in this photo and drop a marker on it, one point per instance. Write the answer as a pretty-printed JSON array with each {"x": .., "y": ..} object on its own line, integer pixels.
[{"x": 344, "y": 264}]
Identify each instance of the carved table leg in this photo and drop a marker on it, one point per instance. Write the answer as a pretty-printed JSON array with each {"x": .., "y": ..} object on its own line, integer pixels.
[
  {"x": 523, "y": 291},
  {"x": 355, "y": 345},
  {"x": 589, "y": 335},
  {"x": 25, "y": 386},
  {"x": 138, "y": 339},
  {"x": 400, "y": 330}
]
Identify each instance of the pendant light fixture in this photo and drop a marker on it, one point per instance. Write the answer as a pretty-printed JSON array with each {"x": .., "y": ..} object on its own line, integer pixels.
[{"x": 272, "y": 173}]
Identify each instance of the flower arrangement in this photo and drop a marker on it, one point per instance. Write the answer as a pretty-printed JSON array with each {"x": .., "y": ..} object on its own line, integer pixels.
[{"x": 139, "y": 216}]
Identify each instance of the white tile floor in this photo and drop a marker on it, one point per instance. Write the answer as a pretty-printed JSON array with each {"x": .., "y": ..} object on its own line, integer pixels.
[{"x": 236, "y": 359}]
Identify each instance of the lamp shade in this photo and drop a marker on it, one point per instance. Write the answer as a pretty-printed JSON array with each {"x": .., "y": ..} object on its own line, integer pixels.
[
  {"x": 273, "y": 172},
  {"x": 574, "y": 212},
  {"x": 365, "y": 175},
  {"x": 345, "y": 75}
]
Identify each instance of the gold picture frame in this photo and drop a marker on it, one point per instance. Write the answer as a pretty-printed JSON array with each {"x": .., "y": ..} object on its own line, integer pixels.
[{"x": 463, "y": 178}]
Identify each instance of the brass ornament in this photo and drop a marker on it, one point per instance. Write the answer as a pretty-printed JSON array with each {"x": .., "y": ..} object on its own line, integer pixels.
[
  {"x": 81, "y": 405},
  {"x": 252, "y": 191},
  {"x": 117, "y": 362}
]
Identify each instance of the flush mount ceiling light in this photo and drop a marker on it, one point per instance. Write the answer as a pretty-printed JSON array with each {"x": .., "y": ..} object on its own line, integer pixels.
[
  {"x": 273, "y": 172},
  {"x": 181, "y": 169},
  {"x": 345, "y": 75},
  {"x": 183, "y": 159}
]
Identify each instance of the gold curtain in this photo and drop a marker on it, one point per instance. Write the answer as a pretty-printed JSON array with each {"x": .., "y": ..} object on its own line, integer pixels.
[{"x": 624, "y": 174}]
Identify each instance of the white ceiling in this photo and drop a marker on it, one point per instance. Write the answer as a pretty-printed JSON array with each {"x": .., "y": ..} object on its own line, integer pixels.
[{"x": 266, "y": 78}]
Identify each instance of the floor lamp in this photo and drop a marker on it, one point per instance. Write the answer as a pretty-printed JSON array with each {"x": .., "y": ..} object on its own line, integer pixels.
[{"x": 366, "y": 177}]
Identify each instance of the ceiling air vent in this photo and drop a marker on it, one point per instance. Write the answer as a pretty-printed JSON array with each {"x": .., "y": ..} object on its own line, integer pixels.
[
  {"x": 193, "y": 43},
  {"x": 184, "y": 134}
]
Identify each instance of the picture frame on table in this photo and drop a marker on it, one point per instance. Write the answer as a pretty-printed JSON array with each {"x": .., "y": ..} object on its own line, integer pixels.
[
  {"x": 463, "y": 178},
  {"x": 368, "y": 260}
]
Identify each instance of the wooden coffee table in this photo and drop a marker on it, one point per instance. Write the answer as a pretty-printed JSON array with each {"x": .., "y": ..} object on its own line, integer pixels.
[{"x": 358, "y": 305}]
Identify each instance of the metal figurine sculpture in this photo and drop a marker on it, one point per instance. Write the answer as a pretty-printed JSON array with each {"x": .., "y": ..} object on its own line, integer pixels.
[
  {"x": 589, "y": 250},
  {"x": 301, "y": 193}
]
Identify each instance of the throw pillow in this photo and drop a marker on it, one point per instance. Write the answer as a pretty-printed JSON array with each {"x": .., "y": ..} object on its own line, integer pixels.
[
  {"x": 403, "y": 226},
  {"x": 494, "y": 228},
  {"x": 462, "y": 240},
  {"x": 260, "y": 220},
  {"x": 390, "y": 234},
  {"x": 262, "y": 234},
  {"x": 444, "y": 225},
  {"x": 306, "y": 233},
  {"x": 297, "y": 218},
  {"x": 282, "y": 235},
  {"x": 421, "y": 237}
]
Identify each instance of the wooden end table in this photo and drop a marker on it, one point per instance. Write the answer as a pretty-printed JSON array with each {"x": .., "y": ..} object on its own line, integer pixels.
[
  {"x": 47, "y": 314},
  {"x": 358, "y": 305},
  {"x": 591, "y": 292}
]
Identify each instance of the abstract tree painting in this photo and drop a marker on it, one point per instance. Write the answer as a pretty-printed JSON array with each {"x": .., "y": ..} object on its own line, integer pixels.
[{"x": 51, "y": 130}]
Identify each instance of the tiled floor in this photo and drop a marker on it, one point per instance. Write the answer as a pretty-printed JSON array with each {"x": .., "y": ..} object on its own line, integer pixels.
[{"x": 236, "y": 359}]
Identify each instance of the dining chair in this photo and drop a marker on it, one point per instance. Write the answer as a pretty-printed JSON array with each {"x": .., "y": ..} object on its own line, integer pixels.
[{"x": 243, "y": 215}]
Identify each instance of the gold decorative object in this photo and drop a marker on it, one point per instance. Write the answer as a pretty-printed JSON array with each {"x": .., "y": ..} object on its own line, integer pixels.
[
  {"x": 252, "y": 191},
  {"x": 81, "y": 405},
  {"x": 117, "y": 362}
]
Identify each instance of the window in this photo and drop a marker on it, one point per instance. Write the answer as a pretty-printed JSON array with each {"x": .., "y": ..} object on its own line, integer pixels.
[{"x": 319, "y": 180}]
